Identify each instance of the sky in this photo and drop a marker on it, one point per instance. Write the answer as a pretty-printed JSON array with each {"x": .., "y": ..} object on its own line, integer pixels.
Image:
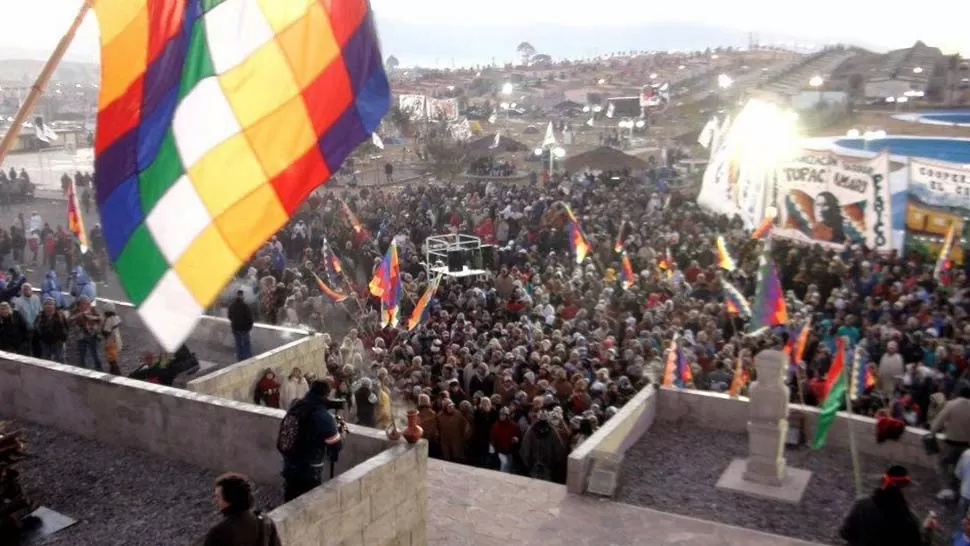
[{"x": 36, "y": 25}]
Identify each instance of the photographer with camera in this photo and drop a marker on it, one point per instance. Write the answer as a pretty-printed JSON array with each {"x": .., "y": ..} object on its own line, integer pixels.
[{"x": 309, "y": 437}]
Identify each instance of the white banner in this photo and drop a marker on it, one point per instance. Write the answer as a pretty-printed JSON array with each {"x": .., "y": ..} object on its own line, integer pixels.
[
  {"x": 835, "y": 201},
  {"x": 415, "y": 106},
  {"x": 938, "y": 183},
  {"x": 442, "y": 109}
]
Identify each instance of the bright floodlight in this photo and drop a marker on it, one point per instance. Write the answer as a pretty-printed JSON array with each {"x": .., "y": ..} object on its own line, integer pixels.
[
  {"x": 852, "y": 133},
  {"x": 625, "y": 124},
  {"x": 597, "y": 108},
  {"x": 653, "y": 76},
  {"x": 918, "y": 70},
  {"x": 538, "y": 151},
  {"x": 559, "y": 153},
  {"x": 507, "y": 88},
  {"x": 451, "y": 88},
  {"x": 816, "y": 81},
  {"x": 902, "y": 100},
  {"x": 681, "y": 67},
  {"x": 761, "y": 136},
  {"x": 601, "y": 81},
  {"x": 640, "y": 124},
  {"x": 586, "y": 108},
  {"x": 724, "y": 81},
  {"x": 505, "y": 106},
  {"x": 890, "y": 99}
]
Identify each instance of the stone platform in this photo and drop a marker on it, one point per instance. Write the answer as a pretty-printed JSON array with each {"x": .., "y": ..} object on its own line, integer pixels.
[
  {"x": 790, "y": 490},
  {"x": 469, "y": 506}
]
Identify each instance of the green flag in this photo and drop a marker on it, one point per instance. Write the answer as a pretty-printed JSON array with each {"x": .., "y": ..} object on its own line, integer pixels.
[
  {"x": 831, "y": 406},
  {"x": 835, "y": 388}
]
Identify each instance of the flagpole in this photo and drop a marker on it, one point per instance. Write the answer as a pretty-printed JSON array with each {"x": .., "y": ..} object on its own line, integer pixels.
[
  {"x": 853, "y": 450},
  {"x": 37, "y": 89}
]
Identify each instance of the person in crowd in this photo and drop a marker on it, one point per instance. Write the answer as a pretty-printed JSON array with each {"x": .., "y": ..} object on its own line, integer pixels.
[
  {"x": 240, "y": 526},
  {"x": 294, "y": 388},
  {"x": 453, "y": 432},
  {"x": 51, "y": 329},
  {"x": 267, "y": 392},
  {"x": 317, "y": 439},
  {"x": 52, "y": 288},
  {"x": 885, "y": 517},
  {"x": 13, "y": 330},
  {"x": 87, "y": 321},
  {"x": 28, "y": 306},
  {"x": 504, "y": 439},
  {"x": 962, "y": 536},
  {"x": 365, "y": 401},
  {"x": 111, "y": 336},
  {"x": 241, "y": 321},
  {"x": 954, "y": 422}
]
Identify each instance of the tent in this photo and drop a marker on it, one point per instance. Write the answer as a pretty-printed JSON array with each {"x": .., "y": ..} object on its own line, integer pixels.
[
  {"x": 605, "y": 158},
  {"x": 483, "y": 146}
]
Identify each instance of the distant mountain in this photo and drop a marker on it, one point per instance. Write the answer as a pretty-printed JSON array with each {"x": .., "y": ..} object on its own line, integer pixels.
[
  {"x": 424, "y": 43},
  {"x": 25, "y": 70}
]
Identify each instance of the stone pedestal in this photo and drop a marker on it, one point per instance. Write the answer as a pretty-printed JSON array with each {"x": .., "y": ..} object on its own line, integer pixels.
[{"x": 765, "y": 473}]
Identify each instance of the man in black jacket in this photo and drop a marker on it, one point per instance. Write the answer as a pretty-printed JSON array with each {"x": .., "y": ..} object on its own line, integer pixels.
[
  {"x": 241, "y": 526},
  {"x": 319, "y": 440},
  {"x": 13, "y": 330},
  {"x": 241, "y": 322}
]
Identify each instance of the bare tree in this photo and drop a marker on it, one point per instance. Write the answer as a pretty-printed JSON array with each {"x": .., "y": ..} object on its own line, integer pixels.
[{"x": 526, "y": 51}]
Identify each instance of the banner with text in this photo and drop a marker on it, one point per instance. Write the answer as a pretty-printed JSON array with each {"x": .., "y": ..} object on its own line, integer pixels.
[
  {"x": 835, "y": 201},
  {"x": 940, "y": 184}
]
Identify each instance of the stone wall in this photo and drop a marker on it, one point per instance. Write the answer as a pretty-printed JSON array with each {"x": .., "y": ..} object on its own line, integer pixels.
[
  {"x": 238, "y": 381},
  {"x": 212, "y": 340},
  {"x": 382, "y": 501},
  {"x": 720, "y": 411},
  {"x": 206, "y": 431},
  {"x": 612, "y": 439}
]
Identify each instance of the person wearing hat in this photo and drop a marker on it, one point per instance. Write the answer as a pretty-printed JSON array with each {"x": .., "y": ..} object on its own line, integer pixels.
[
  {"x": 954, "y": 422},
  {"x": 884, "y": 517},
  {"x": 454, "y": 431},
  {"x": 504, "y": 439},
  {"x": 51, "y": 330}
]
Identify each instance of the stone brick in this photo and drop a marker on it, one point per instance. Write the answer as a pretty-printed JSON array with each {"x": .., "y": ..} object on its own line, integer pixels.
[
  {"x": 406, "y": 514},
  {"x": 357, "y": 539},
  {"x": 403, "y": 538},
  {"x": 350, "y": 494},
  {"x": 354, "y": 518},
  {"x": 381, "y": 531},
  {"x": 407, "y": 463},
  {"x": 419, "y": 535}
]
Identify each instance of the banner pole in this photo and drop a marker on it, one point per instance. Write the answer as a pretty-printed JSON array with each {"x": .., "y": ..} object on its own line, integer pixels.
[
  {"x": 45, "y": 75},
  {"x": 853, "y": 451}
]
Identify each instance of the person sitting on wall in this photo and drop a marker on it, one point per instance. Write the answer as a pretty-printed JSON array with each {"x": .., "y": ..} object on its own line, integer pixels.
[
  {"x": 241, "y": 525},
  {"x": 267, "y": 390}
]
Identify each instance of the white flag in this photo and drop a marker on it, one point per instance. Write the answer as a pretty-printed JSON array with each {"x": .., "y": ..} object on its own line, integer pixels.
[
  {"x": 493, "y": 118},
  {"x": 610, "y": 110},
  {"x": 377, "y": 140},
  {"x": 42, "y": 131},
  {"x": 707, "y": 133},
  {"x": 498, "y": 140},
  {"x": 550, "y": 139}
]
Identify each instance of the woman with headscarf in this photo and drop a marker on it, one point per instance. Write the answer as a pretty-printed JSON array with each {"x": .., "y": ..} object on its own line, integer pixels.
[
  {"x": 884, "y": 518},
  {"x": 267, "y": 299},
  {"x": 52, "y": 288}
]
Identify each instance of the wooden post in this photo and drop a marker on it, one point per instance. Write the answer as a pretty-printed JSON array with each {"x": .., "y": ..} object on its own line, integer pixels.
[
  {"x": 853, "y": 451},
  {"x": 45, "y": 75}
]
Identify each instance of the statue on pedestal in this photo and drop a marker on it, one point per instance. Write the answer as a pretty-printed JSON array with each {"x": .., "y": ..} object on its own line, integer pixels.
[{"x": 768, "y": 420}]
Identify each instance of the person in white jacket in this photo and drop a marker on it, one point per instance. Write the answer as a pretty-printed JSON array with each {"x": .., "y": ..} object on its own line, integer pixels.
[{"x": 294, "y": 388}]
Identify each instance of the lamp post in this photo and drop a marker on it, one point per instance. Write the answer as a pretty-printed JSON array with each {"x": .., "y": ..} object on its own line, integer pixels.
[
  {"x": 816, "y": 82},
  {"x": 555, "y": 152}
]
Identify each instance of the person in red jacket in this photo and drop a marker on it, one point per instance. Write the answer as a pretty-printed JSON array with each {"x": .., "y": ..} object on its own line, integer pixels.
[{"x": 504, "y": 439}]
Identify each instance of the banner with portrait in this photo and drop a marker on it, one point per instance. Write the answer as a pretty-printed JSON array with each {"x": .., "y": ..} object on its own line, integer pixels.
[
  {"x": 415, "y": 106},
  {"x": 835, "y": 201}
]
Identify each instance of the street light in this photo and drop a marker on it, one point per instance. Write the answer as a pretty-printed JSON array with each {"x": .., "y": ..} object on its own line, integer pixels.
[
  {"x": 507, "y": 88},
  {"x": 555, "y": 152},
  {"x": 918, "y": 70}
]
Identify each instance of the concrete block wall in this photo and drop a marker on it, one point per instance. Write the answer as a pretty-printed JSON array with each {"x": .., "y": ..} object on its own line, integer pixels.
[
  {"x": 212, "y": 340},
  {"x": 616, "y": 436},
  {"x": 720, "y": 411},
  {"x": 238, "y": 381},
  {"x": 382, "y": 501},
  {"x": 205, "y": 431}
]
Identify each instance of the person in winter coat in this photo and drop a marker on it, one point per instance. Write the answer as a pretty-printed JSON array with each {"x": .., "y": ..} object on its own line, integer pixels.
[
  {"x": 428, "y": 420},
  {"x": 543, "y": 452},
  {"x": 51, "y": 331},
  {"x": 13, "y": 330},
  {"x": 504, "y": 439},
  {"x": 366, "y": 401},
  {"x": 294, "y": 388},
  {"x": 267, "y": 391},
  {"x": 885, "y": 518},
  {"x": 28, "y": 306},
  {"x": 52, "y": 288},
  {"x": 241, "y": 322},
  {"x": 482, "y": 421},
  {"x": 454, "y": 432},
  {"x": 111, "y": 335}
]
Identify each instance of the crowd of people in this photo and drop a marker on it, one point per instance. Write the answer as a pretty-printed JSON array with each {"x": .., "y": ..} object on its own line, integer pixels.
[{"x": 545, "y": 344}]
